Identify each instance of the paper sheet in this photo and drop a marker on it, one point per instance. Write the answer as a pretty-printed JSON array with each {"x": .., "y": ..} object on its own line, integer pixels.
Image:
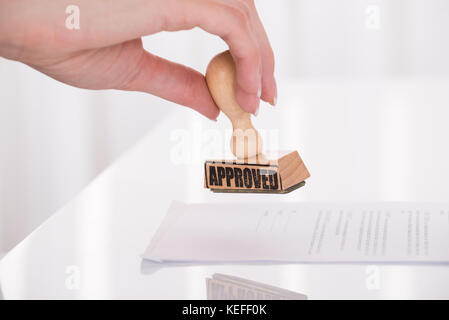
[{"x": 300, "y": 232}]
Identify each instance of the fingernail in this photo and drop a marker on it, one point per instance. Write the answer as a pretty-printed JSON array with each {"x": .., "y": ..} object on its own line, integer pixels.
[
  {"x": 259, "y": 92},
  {"x": 257, "y": 112},
  {"x": 275, "y": 98}
]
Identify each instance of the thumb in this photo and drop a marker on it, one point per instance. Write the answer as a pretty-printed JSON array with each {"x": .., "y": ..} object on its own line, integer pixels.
[{"x": 173, "y": 82}]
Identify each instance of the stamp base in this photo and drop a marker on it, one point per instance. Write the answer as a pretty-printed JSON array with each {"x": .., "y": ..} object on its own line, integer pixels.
[{"x": 278, "y": 173}]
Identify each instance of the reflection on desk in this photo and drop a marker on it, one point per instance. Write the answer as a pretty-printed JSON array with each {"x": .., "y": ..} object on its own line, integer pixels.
[{"x": 226, "y": 287}]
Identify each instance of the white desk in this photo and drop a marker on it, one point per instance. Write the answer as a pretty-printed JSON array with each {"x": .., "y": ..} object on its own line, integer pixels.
[{"x": 361, "y": 141}]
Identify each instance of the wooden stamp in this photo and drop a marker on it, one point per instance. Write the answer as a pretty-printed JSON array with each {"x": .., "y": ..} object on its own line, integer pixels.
[{"x": 251, "y": 170}]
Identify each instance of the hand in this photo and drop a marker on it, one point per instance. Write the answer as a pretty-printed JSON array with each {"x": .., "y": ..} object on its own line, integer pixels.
[{"x": 107, "y": 52}]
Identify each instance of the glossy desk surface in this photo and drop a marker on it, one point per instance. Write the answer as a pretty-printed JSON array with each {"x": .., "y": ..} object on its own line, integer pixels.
[{"x": 361, "y": 142}]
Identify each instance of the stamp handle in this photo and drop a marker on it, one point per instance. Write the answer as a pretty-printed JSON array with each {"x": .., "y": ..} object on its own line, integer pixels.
[{"x": 221, "y": 81}]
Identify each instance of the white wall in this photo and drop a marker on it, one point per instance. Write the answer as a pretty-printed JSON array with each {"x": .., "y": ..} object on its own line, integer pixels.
[{"x": 54, "y": 139}]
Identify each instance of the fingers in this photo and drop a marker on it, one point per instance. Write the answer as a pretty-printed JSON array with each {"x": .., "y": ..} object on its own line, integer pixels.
[
  {"x": 268, "y": 83},
  {"x": 237, "y": 23},
  {"x": 173, "y": 82},
  {"x": 269, "y": 88},
  {"x": 232, "y": 24}
]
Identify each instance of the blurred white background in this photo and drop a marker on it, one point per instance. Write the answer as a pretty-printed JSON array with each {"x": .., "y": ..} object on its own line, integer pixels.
[{"x": 54, "y": 139}]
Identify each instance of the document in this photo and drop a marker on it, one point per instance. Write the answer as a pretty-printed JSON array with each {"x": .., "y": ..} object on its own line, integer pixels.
[{"x": 303, "y": 232}]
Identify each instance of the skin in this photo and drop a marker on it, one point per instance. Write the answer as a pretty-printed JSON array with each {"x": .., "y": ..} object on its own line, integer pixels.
[{"x": 107, "y": 52}]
